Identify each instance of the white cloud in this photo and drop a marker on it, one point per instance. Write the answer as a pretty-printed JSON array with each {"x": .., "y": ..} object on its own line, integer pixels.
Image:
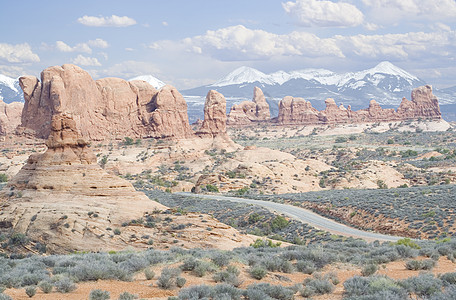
[
  {"x": 19, "y": 53},
  {"x": 324, "y": 13},
  {"x": 86, "y": 61},
  {"x": 164, "y": 23},
  {"x": 386, "y": 11},
  {"x": 98, "y": 43},
  {"x": 417, "y": 45},
  {"x": 240, "y": 43},
  {"x": 112, "y": 21},
  {"x": 127, "y": 69},
  {"x": 81, "y": 47}
]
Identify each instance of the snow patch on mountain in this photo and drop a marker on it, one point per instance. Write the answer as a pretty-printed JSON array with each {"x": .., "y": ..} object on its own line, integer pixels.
[
  {"x": 9, "y": 82},
  {"x": 153, "y": 81}
]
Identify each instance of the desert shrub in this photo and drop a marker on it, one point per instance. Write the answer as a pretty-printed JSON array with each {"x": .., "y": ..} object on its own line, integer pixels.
[
  {"x": 99, "y": 295},
  {"x": 180, "y": 281},
  {"x": 426, "y": 264},
  {"x": 196, "y": 292},
  {"x": 448, "y": 278},
  {"x": 202, "y": 268},
  {"x": 226, "y": 291},
  {"x": 189, "y": 264},
  {"x": 424, "y": 285},
  {"x": 258, "y": 272},
  {"x": 3, "y": 177},
  {"x": 167, "y": 278},
  {"x": 261, "y": 291},
  {"x": 221, "y": 259},
  {"x": 356, "y": 286},
  {"x": 369, "y": 270},
  {"x": 127, "y": 296},
  {"x": 149, "y": 274},
  {"x": 448, "y": 294},
  {"x": 30, "y": 291},
  {"x": 45, "y": 286},
  {"x": 5, "y": 297},
  {"x": 65, "y": 285},
  {"x": 317, "y": 286},
  {"x": 306, "y": 267},
  {"x": 94, "y": 268},
  {"x": 227, "y": 277}
]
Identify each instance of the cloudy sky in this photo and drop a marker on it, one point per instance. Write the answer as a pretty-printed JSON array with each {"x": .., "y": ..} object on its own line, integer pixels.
[{"x": 189, "y": 43}]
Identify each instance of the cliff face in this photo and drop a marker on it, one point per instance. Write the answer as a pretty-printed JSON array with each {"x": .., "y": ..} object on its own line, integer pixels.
[
  {"x": 105, "y": 108},
  {"x": 298, "y": 111},
  {"x": 10, "y": 116}
]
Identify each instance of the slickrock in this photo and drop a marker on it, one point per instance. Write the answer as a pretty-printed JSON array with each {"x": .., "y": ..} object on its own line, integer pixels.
[
  {"x": 214, "y": 115},
  {"x": 105, "y": 108},
  {"x": 10, "y": 116},
  {"x": 54, "y": 197},
  {"x": 247, "y": 112},
  {"x": 424, "y": 105}
]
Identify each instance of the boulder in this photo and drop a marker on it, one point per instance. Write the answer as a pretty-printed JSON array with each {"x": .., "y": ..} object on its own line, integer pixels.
[{"x": 109, "y": 108}]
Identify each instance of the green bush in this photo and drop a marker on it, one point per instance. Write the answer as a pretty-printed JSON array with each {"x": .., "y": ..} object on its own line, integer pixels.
[
  {"x": 45, "y": 286},
  {"x": 30, "y": 291},
  {"x": 258, "y": 272},
  {"x": 127, "y": 296},
  {"x": 99, "y": 295},
  {"x": 3, "y": 177},
  {"x": 212, "y": 188},
  {"x": 149, "y": 274},
  {"x": 369, "y": 270}
]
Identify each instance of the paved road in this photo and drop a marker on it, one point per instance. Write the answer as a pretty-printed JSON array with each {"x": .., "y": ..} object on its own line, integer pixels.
[{"x": 306, "y": 216}]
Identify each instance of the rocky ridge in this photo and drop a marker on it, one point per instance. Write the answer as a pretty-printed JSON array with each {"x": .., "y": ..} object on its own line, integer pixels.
[
  {"x": 424, "y": 105},
  {"x": 105, "y": 108}
]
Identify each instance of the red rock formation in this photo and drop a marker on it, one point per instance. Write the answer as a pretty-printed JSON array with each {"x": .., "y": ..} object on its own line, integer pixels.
[
  {"x": 298, "y": 111},
  {"x": 106, "y": 108},
  {"x": 214, "y": 115},
  {"x": 247, "y": 112},
  {"x": 10, "y": 116}
]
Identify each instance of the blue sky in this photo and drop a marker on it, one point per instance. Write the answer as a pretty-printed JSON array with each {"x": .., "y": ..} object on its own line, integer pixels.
[{"x": 191, "y": 43}]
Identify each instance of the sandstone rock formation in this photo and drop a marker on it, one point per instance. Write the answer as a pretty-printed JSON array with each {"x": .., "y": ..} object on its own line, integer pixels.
[
  {"x": 214, "y": 122},
  {"x": 10, "y": 116},
  {"x": 106, "y": 108},
  {"x": 247, "y": 112},
  {"x": 61, "y": 186},
  {"x": 298, "y": 111}
]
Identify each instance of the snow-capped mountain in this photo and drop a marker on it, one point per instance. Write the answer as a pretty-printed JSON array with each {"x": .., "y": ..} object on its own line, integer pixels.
[
  {"x": 10, "y": 91},
  {"x": 385, "y": 82},
  {"x": 156, "y": 83}
]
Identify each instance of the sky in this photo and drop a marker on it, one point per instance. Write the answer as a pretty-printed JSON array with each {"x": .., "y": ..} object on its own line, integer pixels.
[{"x": 190, "y": 43}]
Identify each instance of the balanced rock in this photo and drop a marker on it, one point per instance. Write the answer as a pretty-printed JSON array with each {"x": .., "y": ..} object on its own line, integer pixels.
[
  {"x": 250, "y": 111},
  {"x": 62, "y": 198},
  {"x": 10, "y": 116},
  {"x": 106, "y": 108},
  {"x": 214, "y": 122}
]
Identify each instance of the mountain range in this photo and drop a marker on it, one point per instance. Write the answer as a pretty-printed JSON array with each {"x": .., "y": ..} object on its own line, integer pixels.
[{"x": 386, "y": 83}]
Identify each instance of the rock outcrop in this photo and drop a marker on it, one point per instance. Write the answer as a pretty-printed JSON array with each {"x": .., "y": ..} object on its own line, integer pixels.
[
  {"x": 214, "y": 122},
  {"x": 10, "y": 116},
  {"x": 105, "y": 108},
  {"x": 65, "y": 185},
  {"x": 247, "y": 112},
  {"x": 424, "y": 105}
]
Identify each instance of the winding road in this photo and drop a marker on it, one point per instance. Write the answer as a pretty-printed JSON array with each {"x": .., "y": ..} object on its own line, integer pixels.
[{"x": 306, "y": 216}]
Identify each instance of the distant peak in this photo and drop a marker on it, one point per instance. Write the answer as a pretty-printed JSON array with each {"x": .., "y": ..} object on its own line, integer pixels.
[
  {"x": 243, "y": 75},
  {"x": 387, "y": 67},
  {"x": 153, "y": 81}
]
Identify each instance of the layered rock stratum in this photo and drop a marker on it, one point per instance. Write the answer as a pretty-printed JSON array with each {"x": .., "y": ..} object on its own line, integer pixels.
[
  {"x": 424, "y": 105},
  {"x": 105, "y": 108},
  {"x": 248, "y": 112}
]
